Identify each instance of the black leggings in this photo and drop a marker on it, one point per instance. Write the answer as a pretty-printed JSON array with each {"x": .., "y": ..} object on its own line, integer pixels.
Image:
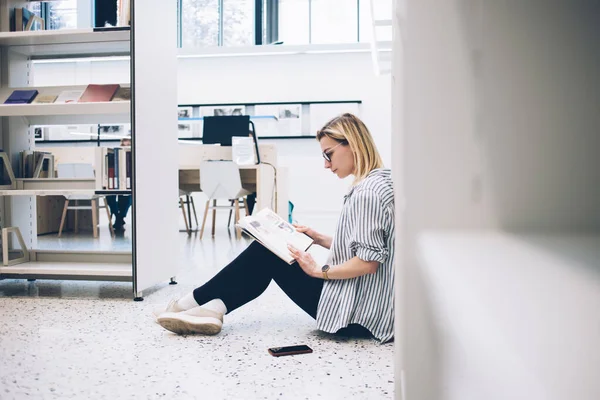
[{"x": 248, "y": 275}]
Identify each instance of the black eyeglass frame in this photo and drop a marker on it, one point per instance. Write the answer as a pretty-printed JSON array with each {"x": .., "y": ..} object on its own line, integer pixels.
[{"x": 327, "y": 154}]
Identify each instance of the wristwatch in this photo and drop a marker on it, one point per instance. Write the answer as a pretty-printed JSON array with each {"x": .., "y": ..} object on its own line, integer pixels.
[{"x": 324, "y": 270}]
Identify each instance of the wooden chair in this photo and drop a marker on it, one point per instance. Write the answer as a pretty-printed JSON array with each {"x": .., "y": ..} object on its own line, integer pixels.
[
  {"x": 76, "y": 170},
  {"x": 189, "y": 201},
  {"x": 220, "y": 180}
]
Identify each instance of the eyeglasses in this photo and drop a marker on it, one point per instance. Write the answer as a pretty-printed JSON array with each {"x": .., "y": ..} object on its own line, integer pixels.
[{"x": 327, "y": 154}]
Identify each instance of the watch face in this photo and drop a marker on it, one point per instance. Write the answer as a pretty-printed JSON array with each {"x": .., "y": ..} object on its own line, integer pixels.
[{"x": 325, "y": 268}]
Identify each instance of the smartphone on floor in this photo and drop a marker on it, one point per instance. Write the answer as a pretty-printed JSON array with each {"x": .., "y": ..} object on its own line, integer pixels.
[{"x": 289, "y": 350}]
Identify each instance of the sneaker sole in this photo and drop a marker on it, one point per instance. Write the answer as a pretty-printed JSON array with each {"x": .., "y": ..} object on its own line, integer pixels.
[
  {"x": 158, "y": 313},
  {"x": 185, "y": 325}
]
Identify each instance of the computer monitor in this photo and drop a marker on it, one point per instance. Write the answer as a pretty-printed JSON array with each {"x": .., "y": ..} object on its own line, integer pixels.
[{"x": 220, "y": 130}]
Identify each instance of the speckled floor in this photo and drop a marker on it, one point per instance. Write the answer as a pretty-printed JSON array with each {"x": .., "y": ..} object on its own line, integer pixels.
[{"x": 75, "y": 340}]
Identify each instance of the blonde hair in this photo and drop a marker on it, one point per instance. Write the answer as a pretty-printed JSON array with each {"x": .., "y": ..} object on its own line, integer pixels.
[{"x": 350, "y": 129}]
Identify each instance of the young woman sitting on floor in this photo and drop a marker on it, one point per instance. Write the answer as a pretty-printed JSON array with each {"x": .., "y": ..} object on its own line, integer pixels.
[{"x": 355, "y": 289}]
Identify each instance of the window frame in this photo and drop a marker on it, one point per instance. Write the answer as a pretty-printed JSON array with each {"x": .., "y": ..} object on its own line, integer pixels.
[{"x": 262, "y": 8}]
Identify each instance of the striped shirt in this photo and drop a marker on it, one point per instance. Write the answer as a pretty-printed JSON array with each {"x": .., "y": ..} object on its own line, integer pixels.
[{"x": 365, "y": 229}]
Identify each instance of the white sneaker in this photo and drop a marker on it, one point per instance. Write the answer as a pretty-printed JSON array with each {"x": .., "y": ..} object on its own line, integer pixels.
[
  {"x": 171, "y": 307},
  {"x": 197, "y": 320}
]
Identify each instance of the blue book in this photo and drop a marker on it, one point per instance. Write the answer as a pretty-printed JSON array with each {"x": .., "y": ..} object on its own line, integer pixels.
[{"x": 21, "y": 97}]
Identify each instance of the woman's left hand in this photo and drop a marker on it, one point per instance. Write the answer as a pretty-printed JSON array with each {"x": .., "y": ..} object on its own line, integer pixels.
[{"x": 306, "y": 262}]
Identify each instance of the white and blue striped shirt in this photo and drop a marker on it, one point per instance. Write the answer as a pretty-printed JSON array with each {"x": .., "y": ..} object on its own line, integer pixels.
[{"x": 365, "y": 229}]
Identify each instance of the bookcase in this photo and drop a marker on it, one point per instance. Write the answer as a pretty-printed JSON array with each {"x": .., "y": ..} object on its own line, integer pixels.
[
  {"x": 151, "y": 112},
  {"x": 497, "y": 180}
]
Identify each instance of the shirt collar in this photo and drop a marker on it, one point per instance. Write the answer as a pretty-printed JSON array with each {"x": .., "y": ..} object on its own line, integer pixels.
[{"x": 353, "y": 187}]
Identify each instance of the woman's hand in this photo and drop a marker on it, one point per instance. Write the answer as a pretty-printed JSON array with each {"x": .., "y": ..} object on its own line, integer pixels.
[
  {"x": 306, "y": 262},
  {"x": 314, "y": 235}
]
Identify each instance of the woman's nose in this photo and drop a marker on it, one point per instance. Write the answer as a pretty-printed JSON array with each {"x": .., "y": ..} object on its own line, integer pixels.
[{"x": 327, "y": 164}]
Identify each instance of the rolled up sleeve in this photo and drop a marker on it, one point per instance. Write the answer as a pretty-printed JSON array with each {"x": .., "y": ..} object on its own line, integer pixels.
[{"x": 368, "y": 235}]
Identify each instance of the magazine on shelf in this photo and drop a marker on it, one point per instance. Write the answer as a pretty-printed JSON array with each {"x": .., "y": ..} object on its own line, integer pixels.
[
  {"x": 44, "y": 99},
  {"x": 122, "y": 94},
  {"x": 69, "y": 96},
  {"x": 21, "y": 97},
  {"x": 94, "y": 93},
  {"x": 274, "y": 233}
]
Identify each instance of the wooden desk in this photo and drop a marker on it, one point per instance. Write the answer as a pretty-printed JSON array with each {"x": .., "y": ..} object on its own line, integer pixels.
[{"x": 256, "y": 178}]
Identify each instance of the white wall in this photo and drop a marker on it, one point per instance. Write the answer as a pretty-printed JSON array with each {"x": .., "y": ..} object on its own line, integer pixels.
[
  {"x": 502, "y": 132},
  {"x": 316, "y": 193}
]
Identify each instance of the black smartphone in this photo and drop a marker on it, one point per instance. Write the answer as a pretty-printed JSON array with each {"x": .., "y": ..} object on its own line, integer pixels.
[{"x": 289, "y": 350}]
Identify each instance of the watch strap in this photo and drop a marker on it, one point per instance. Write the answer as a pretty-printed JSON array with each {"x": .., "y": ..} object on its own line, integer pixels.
[{"x": 324, "y": 270}]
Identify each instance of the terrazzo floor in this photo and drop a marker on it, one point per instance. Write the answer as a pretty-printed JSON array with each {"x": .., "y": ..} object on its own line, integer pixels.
[{"x": 89, "y": 340}]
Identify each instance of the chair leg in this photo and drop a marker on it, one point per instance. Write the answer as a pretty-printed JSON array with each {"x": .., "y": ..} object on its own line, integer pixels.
[
  {"x": 95, "y": 218},
  {"x": 230, "y": 212},
  {"x": 110, "y": 227},
  {"x": 204, "y": 219},
  {"x": 214, "y": 217},
  {"x": 194, "y": 210},
  {"x": 62, "y": 220},
  {"x": 246, "y": 207},
  {"x": 238, "y": 231},
  {"x": 187, "y": 227}
]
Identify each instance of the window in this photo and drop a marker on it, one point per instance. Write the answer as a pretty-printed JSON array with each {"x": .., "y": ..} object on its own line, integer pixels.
[
  {"x": 294, "y": 21},
  {"x": 238, "y": 22},
  {"x": 320, "y": 21},
  {"x": 61, "y": 14},
  {"x": 233, "y": 22},
  {"x": 207, "y": 23},
  {"x": 382, "y": 10},
  {"x": 333, "y": 21},
  {"x": 58, "y": 15},
  {"x": 199, "y": 23}
]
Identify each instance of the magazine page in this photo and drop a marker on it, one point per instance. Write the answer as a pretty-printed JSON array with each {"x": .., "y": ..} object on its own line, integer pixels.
[{"x": 275, "y": 233}]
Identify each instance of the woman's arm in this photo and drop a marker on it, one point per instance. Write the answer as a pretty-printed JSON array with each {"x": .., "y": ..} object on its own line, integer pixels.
[
  {"x": 325, "y": 240},
  {"x": 319, "y": 238},
  {"x": 352, "y": 268}
]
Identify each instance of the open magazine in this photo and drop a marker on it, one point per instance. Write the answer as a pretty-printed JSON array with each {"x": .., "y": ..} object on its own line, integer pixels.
[{"x": 274, "y": 233}]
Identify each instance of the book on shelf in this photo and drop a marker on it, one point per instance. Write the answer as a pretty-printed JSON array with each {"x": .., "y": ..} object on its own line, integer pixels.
[
  {"x": 117, "y": 164},
  {"x": 94, "y": 93},
  {"x": 29, "y": 164},
  {"x": 35, "y": 23},
  {"x": 26, "y": 20},
  {"x": 128, "y": 170},
  {"x": 6, "y": 171},
  {"x": 116, "y": 168},
  {"x": 69, "y": 96},
  {"x": 21, "y": 97},
  {"x": 17, "y": 24},
  {"x": 123, "y": 13},
  {"x": 122, "y": 94},
  {"x": 44, "y": 98},
  {"x": 274, "y": 233}
]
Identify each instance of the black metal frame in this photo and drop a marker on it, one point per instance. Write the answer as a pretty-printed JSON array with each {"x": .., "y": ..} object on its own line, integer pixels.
[
  {"x": 269, "y": 104},
  {"x": 258, "y": 103}
]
